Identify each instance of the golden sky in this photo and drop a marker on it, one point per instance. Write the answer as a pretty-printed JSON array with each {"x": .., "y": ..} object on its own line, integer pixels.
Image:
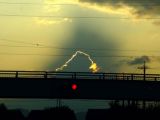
[{"x": 35, "y": 35}]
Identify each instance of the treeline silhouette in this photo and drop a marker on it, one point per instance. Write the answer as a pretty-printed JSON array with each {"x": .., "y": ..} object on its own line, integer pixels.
[
  {"x": 125, "y": 112},
  {"x": 57, "y": 113},
  {"x": 116, "y": 111}
]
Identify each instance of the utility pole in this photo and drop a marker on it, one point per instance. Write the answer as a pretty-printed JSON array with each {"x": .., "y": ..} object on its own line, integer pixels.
[
  {"x": 59, "y": 103},
  {"x": 144, "y": 67}
]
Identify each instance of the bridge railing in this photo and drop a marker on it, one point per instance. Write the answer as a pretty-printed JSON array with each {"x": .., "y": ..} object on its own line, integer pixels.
[{"x": 79, "y": 75}]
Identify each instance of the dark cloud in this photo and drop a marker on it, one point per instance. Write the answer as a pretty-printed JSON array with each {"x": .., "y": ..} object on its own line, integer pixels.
[
  {"x": 123, "y": 1},
  {"x": 156, "y": 23},
  {"x": 148, "y": 8},
  {"x": 140, "y": 60}
]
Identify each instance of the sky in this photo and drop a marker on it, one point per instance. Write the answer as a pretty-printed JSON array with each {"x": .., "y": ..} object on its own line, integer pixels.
[
  {"x": 44, "y": 34},
  {"x": 118, "y": 35}
]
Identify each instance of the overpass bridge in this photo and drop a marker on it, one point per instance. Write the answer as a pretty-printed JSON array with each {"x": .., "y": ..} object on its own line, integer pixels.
[{"x": 79, "y": 85}]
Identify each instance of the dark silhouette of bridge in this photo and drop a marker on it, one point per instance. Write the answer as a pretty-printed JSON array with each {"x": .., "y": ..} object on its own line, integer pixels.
[{"x": 59, "y": 85}]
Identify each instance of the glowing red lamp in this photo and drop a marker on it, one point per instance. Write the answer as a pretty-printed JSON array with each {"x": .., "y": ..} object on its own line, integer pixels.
[{"x": 74, "y": 86}]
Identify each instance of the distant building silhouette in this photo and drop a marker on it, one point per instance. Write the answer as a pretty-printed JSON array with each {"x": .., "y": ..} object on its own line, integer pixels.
[
  {"x": 36, "y": 115},
  {"x": 6, "y": 114},
  {"x": 129, "y": 112},
  {"x": 57, "y": 113},
  {"x": 15, "y": 115}
]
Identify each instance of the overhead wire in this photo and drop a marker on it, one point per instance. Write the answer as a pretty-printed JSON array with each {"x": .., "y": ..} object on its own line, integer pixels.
[
  {"x": 68, "y": 55},
  {"x": 73, "y": 17},
  {"x": 17, "y": 41},
  {"x": 34, "y": 3},
  {"x": 40, "y": 45},
  {"x": 106, "y": 4}
]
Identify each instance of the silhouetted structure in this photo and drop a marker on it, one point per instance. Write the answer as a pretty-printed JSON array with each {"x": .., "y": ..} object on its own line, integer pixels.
[
  {"x": 15, "y": 115},
  {"x": 57, "y": 113},
  {"x": 129, "y": 112},
  {"x": 80, "y": 85},
  {"x": 36, "y": 115},
  {"x": 6, "y": 114}
]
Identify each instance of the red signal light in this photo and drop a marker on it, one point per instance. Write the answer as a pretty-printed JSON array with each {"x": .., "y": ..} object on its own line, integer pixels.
[{"x": 74, "y": 86}]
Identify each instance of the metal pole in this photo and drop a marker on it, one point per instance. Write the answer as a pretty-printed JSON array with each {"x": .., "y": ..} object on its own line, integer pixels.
[
  {"x": 144, "y": 70},
  {"x": 144, "y": 104},
  {"x": 16, "y": 74},
  {"x": 58, "y": 102}
]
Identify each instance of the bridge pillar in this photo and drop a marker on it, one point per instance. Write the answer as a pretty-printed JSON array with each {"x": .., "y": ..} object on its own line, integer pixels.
[
  {"x": 144, "y": 104},
  {"x": 45, "y": 75},
  {"x": 123, "y": 103},
  {"x": 131, "y": 76},
  {"x": 16, "y": 74},
  {"x": 59, "y": 103}
]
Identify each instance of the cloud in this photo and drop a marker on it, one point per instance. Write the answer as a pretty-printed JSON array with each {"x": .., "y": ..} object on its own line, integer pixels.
[
  {"x": 156, "y": 23},
  {"x": 141, "y": 8},
  {"x": 140, "y": 60}
]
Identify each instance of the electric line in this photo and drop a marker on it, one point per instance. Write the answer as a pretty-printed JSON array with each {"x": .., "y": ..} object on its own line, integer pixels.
[
  {"x": 85, "y": 49},
  {"x": 73, "y": 4},
  {"x": 18, "y": 46},
  {"x": 22, "y": 42},
  {"x": 71, "y": 49},
  {"x": 25, "y": 3},
  {"x": 38, "y": 45},
  {"x": 68, "y": 55},
  {"x": 73, "y": 17}
]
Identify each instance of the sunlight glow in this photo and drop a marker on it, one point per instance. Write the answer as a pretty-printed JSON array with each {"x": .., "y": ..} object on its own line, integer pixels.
[
  {"x": 45, "y": 21},
  {"x": 94, "y": 68}
]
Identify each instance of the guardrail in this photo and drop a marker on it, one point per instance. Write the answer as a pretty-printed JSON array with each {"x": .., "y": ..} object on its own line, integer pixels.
[{"x": 79, "y": 75}]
